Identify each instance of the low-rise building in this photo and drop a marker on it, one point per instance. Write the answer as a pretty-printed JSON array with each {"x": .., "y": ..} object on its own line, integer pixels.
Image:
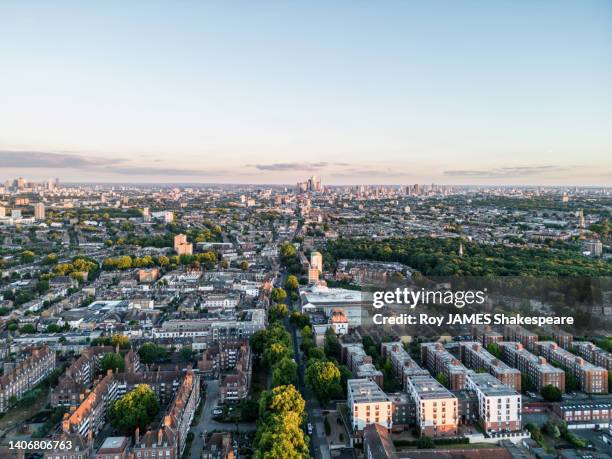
[{"x": 580, "y": 412}]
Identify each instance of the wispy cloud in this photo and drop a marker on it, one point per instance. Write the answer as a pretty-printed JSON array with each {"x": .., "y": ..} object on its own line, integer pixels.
[
  {"x": 506, "y": 172},
  {"x": 41, "y": 159},
  {"x": 31, "y": 159},
  {"x": 295, "y": 166}
]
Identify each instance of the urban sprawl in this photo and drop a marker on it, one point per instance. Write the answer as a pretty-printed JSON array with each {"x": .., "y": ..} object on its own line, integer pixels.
[{"x": 228, "y": 321}]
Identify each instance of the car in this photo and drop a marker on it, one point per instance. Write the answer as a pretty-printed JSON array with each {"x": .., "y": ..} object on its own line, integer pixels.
[
  {"x": 217, "y": 412},
  {"x": 310, "y": 428}
]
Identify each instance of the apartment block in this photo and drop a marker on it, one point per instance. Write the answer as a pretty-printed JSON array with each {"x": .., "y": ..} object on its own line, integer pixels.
[
  {"x": 90, "y": 415},
  {"x": 499, "y": 407},
  {"x": 485, "y": 335},
  {"x": 37, "y": 365},
  {"x": 436, "y": 407},
  {"x": 439, "y": 360},
  {"x": 537, "y": 369},
  {"x": 476, "y": 357},
  {"x": 79, "y": 376},
  {"x": 592, "y": 378},
  {"x": 360, "y": 363},
  {"x": 520, "y": 334},
  {"x": 368, "y": 404},
  {"x": 564, "y": 338},
  {"x": 594, "y": 354},
  {"x": 404, "y": 366}
]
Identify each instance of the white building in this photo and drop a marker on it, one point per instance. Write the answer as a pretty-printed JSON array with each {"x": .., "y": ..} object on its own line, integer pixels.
[
  {"x": 368, "y": 404},
  {"x": 499, "y": 407}
]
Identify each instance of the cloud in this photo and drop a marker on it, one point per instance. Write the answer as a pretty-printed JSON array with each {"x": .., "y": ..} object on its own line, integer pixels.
[
  {"x": 32, "y": 159},
  {"x": 504, "y": 172},
  {"x": 144, "y": 170},
  {"x": 295, "y": 166},
  {"x": 40, "y": 159}
]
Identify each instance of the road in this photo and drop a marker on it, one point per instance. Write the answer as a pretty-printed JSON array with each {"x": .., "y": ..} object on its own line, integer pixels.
[
  {"x": 206, "y": 423},
  {"x": 319, "y": 448}
]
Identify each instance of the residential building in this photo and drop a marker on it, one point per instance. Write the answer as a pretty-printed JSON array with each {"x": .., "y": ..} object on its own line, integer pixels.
[
  {"x": 594, "y": 354},
  {"x": 520, "y": 334},
  {"x": 219, "y": 446},
  {"x": 377, "y": 443},
  {"x": 39, "y": 211},
  {"x": 439, "y": 360},
  {"x": 404, "y": 366},
  {"x": 592, "y": 378},
  {"x": 360, "y": 363},
  {"x": 538, "y": 371},
  {"x": 499, "y": 407},
  {"x": 114, "y": 448},
  {"x": 436, "y": 407},
  {"x": 476, "y": 357},
  {"x": 368, "y": 404},
  {"x": 37, "y": 365}
]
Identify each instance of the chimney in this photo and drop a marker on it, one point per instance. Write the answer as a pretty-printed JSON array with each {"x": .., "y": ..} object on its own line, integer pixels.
[
  {"x": 160, "y": 433},
  {"x": 90, "y": 437},
  {"x": 137, "y": 435},
  {"x": 541, "y": 360}
]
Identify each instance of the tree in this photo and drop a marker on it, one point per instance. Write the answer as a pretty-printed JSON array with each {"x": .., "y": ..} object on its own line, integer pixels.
[
  {"x": 316, "y": 353},
  {"x": 121, "y": 340},
  {"x": 150, "y": 353},
  {"x": 281, "y": 400},
  {"x": 244, "y": 265},
  {"x": 275, "y": 352},
  {"x": 186, "y": 354},
  {"x": 495, "y": 350},
  {"x": 442, "y": 379},
  {"x": 551, "y": 393},
  {"x": 27, "y": 256},
  {"x": 282, "y": 437},
  {"x": 28, "y": 329},
  {"x": 332, "y": 346},
  {"x": 292, "y": 284},
  {"x": 323, "y": 378},
  {"x": 278, "y": 295},
  {"x": 425, "y": 443},
  {"x": 112, "y": 361},
  {"x": 278, "y": 312},
  {"x": 284, "y": 372},
  {"x": 137, "y": 408}
]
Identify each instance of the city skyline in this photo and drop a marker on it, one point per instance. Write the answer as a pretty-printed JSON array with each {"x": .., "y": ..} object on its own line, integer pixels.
[{"x": 446, "y": 92}]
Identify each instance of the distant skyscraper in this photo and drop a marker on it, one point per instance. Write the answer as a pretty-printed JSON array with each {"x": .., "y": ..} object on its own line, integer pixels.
[
  {"x": 39, "y": 211},
  {"x": 581, "y": 221}
]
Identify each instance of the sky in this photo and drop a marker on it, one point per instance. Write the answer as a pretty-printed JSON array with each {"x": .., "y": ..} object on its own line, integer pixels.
[{"x": 356, "y": 92}]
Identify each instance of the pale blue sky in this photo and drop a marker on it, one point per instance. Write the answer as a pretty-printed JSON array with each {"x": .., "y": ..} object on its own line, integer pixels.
[{"x": 451, "y": 91}]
